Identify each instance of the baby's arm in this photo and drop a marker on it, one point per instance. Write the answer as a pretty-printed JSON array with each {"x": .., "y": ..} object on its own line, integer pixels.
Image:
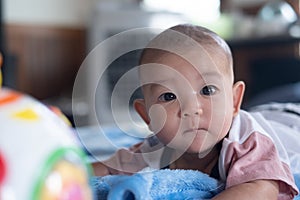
[
  {"x": 259, "y": 189},
  {"x": 122, "y": 162}
]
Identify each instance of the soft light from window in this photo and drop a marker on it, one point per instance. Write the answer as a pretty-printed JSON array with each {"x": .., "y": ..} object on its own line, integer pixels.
[{"x": 197, "y": 10}]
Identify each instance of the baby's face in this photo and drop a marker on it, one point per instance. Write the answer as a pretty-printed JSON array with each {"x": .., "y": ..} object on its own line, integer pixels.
[{"x": 189, "y": 108}]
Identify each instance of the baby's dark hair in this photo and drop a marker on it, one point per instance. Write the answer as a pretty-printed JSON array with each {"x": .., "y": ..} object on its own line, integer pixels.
[{"x": 184, "y": 37}]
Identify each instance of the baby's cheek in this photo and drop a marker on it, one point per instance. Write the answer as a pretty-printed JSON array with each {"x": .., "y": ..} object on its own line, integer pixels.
[{"x": 158, "y": 116}]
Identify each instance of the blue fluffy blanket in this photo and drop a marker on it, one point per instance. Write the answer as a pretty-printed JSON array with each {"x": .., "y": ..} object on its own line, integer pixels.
[{"x": 160, "y": 184}]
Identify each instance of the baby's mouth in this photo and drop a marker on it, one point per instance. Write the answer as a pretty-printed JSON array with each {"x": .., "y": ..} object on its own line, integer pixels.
[{"x": 195, "y": 130}]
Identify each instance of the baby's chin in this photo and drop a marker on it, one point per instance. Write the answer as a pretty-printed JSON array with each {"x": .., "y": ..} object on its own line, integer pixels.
[
  {"x": 188, "y": 145},
  {"x": 201, "y": 152},
  {"x": 192, "y": 149}
]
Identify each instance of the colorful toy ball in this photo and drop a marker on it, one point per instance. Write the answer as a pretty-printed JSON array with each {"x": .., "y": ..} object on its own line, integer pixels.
[{"x": 40, "y": 158}]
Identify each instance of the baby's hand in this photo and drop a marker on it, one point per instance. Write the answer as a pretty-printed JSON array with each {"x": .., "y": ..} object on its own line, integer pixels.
[
  {"x": 125, "y": 162},
  {"x": 122, "y": 162},
  {"x": 100, "y": 169}
]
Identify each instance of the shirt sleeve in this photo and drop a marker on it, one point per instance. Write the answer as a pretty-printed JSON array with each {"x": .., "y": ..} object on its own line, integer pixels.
[{"x": 258, "y": 159}]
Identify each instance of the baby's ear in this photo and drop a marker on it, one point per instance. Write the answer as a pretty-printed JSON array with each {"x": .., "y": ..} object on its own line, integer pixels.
[
  {"x": 140, "y": 107},
  {"x": 238, "y": 94}
]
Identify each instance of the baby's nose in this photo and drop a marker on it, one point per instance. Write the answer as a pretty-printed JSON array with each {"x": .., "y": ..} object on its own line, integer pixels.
[
  {"x": 186, "y": 114},
  {"x": 191, "y": 109}
]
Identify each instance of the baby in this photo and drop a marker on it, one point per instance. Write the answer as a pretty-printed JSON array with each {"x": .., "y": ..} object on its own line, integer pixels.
[{"x": 192, "y": 105}]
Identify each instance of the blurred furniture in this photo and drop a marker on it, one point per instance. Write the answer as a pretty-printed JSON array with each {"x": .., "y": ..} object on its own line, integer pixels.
[
  {"x": 250, "y": 7},
  {"x": 266, "y": 63},
  {"x": 46, "y": 58},
  {"x": 1, "y": 27}
]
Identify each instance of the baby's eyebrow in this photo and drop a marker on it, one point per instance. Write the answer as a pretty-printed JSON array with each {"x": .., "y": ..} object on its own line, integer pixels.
[
  {"x": 161, "y": 85},
  {"x": 169, "y": 81},
  {"x": 152, "y": 86},
  {"x": 159, "y": 82},
  {"x": 211, "y": 74}
]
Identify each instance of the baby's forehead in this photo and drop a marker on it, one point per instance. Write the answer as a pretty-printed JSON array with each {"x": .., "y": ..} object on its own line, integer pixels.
[{"x": 201, "y": 61}]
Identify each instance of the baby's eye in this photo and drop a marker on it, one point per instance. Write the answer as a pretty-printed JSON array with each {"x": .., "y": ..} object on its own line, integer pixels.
[
  {"x": 208, "y": 90},
  {"x": 167, "y": 97}
]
